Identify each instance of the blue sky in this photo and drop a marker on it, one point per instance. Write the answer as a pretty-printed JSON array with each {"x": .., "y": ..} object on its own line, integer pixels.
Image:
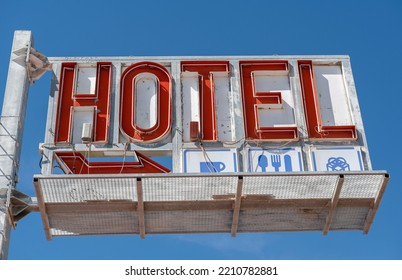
[{"x": 368, "y": 31}]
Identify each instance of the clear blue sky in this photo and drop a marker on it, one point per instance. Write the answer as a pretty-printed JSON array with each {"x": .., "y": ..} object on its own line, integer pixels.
[{"x": 368, "y": 31}]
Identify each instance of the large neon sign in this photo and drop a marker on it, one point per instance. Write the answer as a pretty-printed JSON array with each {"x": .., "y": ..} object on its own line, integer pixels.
[{"x": 218, "y": 103}]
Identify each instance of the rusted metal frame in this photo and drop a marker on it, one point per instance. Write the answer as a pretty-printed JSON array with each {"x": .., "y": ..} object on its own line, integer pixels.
[
  {"x": 42, "y": 209},
  {"x": 377, "y": 200},
  {"x": 197, "y": 205},
  {"x": 355, "y": 202},
  {"x": 200, "y": 175},
  {"x": 140, "y": 209},
  {"x": 237, "y": 203},
  {"x": 333, "y": 204}
]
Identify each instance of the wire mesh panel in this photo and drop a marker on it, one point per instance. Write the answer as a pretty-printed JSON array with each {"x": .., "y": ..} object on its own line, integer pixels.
[
  {"x": 348, "y": 218},
  {"x": 189, "y": 221},
  {"x": 183, "y": 203},
  {"x": 291, "y": 187},
  {"x": 93, "y": 223},
  {"x": 361, "y": 186},
  {"x": 282, "y": 219},
  {"x": 187, "y": 188},
  {"x": 84, "y": 189}
]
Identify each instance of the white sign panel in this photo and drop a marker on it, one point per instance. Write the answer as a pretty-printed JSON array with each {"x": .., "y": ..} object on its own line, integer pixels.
[
  {"x": 210, "y": 161},
  {"x": 337, "y": 159},
  {"x": 275, "y": 160}
]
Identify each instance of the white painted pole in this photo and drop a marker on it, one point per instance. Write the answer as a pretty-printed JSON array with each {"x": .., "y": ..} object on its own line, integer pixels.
[{"x": 11, "y": 128}]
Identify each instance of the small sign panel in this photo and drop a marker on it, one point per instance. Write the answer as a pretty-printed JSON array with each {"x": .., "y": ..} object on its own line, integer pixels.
[
  {"x": 337, "y": 159},
  {"x": 275, "y": 160},
  {"x": 210, "y": 160}
]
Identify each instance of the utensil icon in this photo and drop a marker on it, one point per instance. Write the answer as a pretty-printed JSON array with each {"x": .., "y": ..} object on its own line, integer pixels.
[
  {"x": 212, "y": 167},
  {"x": 288, "y": 163},
  {"x": 276, "y": 162},
  {"x": 263, "y": 162}
]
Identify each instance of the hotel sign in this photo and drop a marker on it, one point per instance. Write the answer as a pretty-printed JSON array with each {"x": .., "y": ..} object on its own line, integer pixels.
[{"x": 204, "y": 114}]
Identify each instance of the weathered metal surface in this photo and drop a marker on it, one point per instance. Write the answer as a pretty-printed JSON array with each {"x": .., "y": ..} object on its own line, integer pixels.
[
  {"x": 188, "y": 203},
  {"x": 229, "y": 116}
]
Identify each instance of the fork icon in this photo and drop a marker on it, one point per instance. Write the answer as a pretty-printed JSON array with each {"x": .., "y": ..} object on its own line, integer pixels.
[{"x": 276, "y": 162}]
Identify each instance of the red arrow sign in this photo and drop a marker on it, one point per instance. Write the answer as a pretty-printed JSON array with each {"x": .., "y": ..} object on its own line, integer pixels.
[{"x": 76, "y": 163}]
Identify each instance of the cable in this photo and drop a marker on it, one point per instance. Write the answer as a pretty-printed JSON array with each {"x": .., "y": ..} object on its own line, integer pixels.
[
  {"x": 124, "y": 156},
  {"x": 74, "y": 161},
  {"x": 179, "y": 131},
  {"x": 89, "y": 155},
  {"x": 85, "y": 156},
  {"x": 322, "y": 133},
  {"x": 207, "y": 158}
]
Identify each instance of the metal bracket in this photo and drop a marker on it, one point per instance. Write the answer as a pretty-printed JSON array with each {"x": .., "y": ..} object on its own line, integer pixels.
[
  {"x": 36, "y": 63},
  {"x": 17, "y": 204}
]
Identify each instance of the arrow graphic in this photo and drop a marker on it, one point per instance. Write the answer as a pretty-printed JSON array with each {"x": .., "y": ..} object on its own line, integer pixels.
[{"x": 76, "y": 163}]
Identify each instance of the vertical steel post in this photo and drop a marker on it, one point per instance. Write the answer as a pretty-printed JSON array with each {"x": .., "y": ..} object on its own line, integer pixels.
[{"x": 11, "y": 128}]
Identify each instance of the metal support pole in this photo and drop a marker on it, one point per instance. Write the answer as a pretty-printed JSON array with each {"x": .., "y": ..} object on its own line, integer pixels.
[{"x": 11, "y": 128}]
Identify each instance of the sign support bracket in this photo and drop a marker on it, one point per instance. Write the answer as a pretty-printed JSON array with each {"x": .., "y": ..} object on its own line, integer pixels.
[
  {"x": 140, "y": 208},
  {"x": 236, "y": 210},
  {"x": 333, "y": 204},
  {"x": 373, "y": 211}
]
